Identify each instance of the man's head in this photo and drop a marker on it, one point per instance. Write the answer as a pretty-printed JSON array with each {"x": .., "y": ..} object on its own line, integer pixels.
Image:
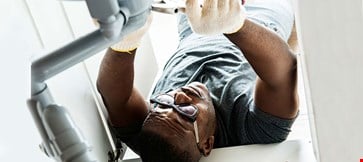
[{"x": 171, "y": 131}]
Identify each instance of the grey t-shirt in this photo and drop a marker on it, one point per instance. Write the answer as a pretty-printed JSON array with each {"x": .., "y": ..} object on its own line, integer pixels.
[{"x": 221, "y": 66}]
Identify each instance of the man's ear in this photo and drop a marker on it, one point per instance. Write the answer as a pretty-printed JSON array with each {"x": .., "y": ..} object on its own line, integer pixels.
[{"x": 207, "y": 146}]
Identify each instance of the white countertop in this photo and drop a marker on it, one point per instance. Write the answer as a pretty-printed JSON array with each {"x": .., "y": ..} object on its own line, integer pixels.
[{"x": 288, "y": 151}]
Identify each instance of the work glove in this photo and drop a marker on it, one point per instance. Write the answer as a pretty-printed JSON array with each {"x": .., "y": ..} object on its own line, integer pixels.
[
  {"x": 215, "y": 16},
  {"x": 131, "y": 41}
]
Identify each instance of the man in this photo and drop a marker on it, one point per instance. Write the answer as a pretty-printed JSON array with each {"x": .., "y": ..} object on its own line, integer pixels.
[{"x": 232, "y": 81}]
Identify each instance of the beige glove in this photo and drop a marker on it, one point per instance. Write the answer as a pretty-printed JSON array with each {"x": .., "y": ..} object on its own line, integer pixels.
[
  {"x": 215, "y": 16},
  {"x": 131, "y": 41}
]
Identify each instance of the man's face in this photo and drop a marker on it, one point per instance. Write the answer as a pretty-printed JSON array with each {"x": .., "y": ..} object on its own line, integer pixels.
[{"x": 176, "y": 127}]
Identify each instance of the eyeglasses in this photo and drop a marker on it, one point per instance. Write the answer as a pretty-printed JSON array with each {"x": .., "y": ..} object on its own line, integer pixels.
[{"x": 187, "y": 110}]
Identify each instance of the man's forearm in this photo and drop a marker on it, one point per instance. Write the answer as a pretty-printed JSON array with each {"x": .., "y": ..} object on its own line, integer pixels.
[
  {"x": 115, "y": 78},
  {"x": 268, "y": 54}
]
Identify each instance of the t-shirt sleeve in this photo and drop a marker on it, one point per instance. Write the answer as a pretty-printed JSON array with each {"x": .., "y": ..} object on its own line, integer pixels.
[{"x": 261, "y": 127}]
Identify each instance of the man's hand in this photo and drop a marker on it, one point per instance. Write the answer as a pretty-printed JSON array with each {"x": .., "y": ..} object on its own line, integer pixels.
[
  {"x": 215, "y": 16},
  {"x": 131, "y": 41}
]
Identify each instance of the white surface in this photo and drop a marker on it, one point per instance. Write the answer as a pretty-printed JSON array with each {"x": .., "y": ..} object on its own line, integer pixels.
[
  {"x": 288, "y": 151},
  {"x": 331, "y": 35}
]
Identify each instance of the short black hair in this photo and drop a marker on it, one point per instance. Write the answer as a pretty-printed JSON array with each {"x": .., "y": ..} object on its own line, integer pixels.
[{"x": 154, "y": 148}]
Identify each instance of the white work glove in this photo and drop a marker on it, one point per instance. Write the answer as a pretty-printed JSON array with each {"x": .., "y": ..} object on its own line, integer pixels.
[
  {"x": 215, "y": 16},
  {"x": 131, "y": 41}
]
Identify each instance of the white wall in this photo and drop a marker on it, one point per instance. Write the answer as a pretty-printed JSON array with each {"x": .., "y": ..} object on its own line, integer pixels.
[
  {"x": 331, "y": 35},
  {"x": 18, "y": 138},
  {"x": 29, "y": 29}
]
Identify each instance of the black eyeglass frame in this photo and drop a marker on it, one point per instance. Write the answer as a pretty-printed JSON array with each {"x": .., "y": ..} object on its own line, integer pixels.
[{"x": 192, "y": 117}]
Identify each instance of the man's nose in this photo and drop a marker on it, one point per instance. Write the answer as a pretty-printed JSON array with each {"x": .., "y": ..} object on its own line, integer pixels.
[{"x": 181, "y": 98}]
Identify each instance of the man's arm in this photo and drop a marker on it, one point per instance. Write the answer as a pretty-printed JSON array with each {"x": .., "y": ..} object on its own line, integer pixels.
[
  {"x": 275, "y": 65},
  {"x": 124, "y": 103}
]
